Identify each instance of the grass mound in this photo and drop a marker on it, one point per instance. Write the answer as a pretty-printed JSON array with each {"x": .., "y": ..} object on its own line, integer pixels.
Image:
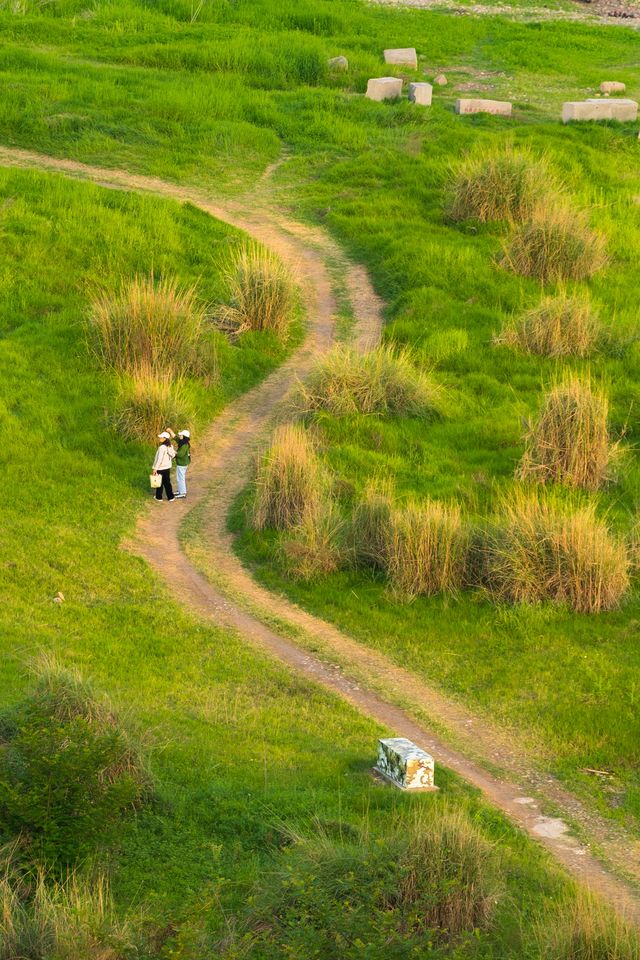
[
  {"x": 563, "y": 325},
  {"x": 499, "y": 184},
  {"x": 425, "y": 551},
  {"x": 261, "y": 292},
  {"x": 317, "y": 547},
  {"x": 542, "y": 550},
  {"x": 570, "y": 441},
  {"x": 289, "y": 481},
  {"x": 371, "y": 520},
  {"x": 555, "y": 244},
  {"x": 585, "y": 929},
  {"x": 384, "y": 381}
]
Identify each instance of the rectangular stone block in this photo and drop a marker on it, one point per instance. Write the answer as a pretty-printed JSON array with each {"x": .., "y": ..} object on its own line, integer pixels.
[
  {"x": 421, "y": 93},
  {"x": 501, "y": 108},
  {"x": 405, "y": 765},
  {"x": 402, "y": 56},
  {"x": 612, "y": 86},
  {"x": 384, "y": 88},
  {"x": 622, "y": 110}
]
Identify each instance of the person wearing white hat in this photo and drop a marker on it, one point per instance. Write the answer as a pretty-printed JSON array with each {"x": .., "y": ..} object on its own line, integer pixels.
[
  {"x": 183, "y": 459},
  {"x": 162, "y": 465}
]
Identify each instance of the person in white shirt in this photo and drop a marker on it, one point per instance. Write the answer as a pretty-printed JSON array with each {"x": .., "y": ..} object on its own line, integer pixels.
[{"x": 162, "y": 465}]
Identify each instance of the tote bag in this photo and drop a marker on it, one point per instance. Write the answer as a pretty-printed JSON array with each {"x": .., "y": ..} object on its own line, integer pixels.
[{"x": 155, "y": 480}]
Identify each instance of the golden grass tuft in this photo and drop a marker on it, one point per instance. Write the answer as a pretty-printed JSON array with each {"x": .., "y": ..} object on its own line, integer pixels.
[
  {"x": 557, "y": 243},
  {"x": 370, "y": 522},
  {"x": 383, "y": 381},
  {"x": 499, "y": 184},
  {"x": 584, "y": 928},
  {"x": 317, "y": 546},
  {"x": 542, "y": 550},
  {"x": 426, "y": 549},
  {"x": 289, "y": 482},
  {"x": 261, "y": 292},
  {"x": 570, "y": 442},
  {"x": 563, "y": 325},
  {"x": 146, "y": 401}
]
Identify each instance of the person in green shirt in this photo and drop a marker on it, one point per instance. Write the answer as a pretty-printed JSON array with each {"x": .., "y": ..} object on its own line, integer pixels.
[{"x": 183, "y": 459}]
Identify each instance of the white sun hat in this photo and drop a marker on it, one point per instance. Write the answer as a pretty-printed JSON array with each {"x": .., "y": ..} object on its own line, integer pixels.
[
  {"x": 164, "y": 436},
  {"x": 184, "y": 433}
]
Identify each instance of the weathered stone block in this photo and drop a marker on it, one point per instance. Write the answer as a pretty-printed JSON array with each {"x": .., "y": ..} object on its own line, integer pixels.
[
  {"x": 384, "y": 88},
  {"x": 440, "y": 80},
  {"x": 405, "y": 764},
  {"x": 338, "y": 63},
  {"x": 622, "y": 110},
  {"x": 403, "y": 57},
  {"x": 421, "y": 93},
  {"x": 501, "y": 108},
  {"x": 612, "y": 86}
]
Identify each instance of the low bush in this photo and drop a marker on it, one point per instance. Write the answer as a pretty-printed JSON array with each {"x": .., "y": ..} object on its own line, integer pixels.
[
  {"x": 370, "y": 522},
  {"x": 384, "y": 381},
  {"x": 540, "y": 549},
  {"x": 585, "y": 929},
  {"x": 317, "y": 546},
  {"x": 145, "y": 402},
  {"x": 499, "y": 184},
  {"x": 261, "y": 292},
  {"x": 570, "y": 441},
  {"x": 426, "y": 548},
  {"x": 289, "y": 483},
  {"x": 563, "y": 325},
  {"x": 555, "y": 244},
  {"x": 68, "y": 770}
]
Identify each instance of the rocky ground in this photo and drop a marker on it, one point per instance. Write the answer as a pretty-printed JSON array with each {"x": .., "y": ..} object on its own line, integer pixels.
[{"x": 625, "y": 12}]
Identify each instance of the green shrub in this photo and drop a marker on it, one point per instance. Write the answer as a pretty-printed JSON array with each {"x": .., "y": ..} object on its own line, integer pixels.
[{"x": 68, "y": 771}]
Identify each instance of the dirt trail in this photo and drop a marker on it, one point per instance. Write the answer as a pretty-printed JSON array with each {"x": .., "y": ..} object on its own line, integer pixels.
[{"x": 345, "y": 667}]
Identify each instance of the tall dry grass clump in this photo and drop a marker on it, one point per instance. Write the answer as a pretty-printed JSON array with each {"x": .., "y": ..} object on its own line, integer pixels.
[
  {"x": 426, "y": 549},
  {"x": 289, "y": 483},
  {"x": 586, "y": 929},
  {"x": 146, "y": 401},
  {"x": 383, "y": 381},
  {"x": 317, "y": 546},
  {"x": 371, "y": 520},
  {"x": 499, "y": 184},
  {"x": 557, "y": 243},
  {"x": 570, "y": 441},
  {"x": 261, "y": 292},
  {"x": 563, "y": 325},
  {"x": 539, "y": 549}
]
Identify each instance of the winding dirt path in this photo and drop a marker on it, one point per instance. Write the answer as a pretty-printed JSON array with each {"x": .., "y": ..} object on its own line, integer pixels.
[{"x": 229, "y": 597}]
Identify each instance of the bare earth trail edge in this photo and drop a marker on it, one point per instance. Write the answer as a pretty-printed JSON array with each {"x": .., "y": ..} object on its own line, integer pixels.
[{"x": 236, "y": 601}]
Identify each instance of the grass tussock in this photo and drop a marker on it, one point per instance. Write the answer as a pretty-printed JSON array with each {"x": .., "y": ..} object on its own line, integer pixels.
[
  {"x": 570, "y": 442},
  {"x": 289, "y": 481},
  {"x": 426, "y": 549},
  {"x": 499, "y": 184},
  {"x": 371, "y": 520},
  {"x": 145, "y": 402},
  {"x": 383, "y": 381},
  {"x": 586, "y": 929},
  {"x": 555, "y": 244},
  {"x": 261, "y": 292},
  {"x": 317, "y": 547},
  {"x": 563, "y": 325},
  {"x": 542, "y": 550}
]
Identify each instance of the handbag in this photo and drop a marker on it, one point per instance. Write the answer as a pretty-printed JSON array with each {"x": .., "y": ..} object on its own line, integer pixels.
[{"x": 155, "y": 480}]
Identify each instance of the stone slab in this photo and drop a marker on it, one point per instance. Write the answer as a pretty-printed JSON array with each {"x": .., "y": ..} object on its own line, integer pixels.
[
  {"x": 421, "y": 93},
  {"x": 405, "y": 765},
  {"x": 402, "y": 56},
  {"x": 338, "y": 63},
  {"x": 622, "y": 110},
  {"x": 612, "y": 86},
  {"x": 500, "y": 108},
  {"x": 384, "y": 88}
]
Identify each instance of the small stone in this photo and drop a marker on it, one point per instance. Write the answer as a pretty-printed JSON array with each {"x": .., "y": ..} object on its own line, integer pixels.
[
  {"x": 338, "y": 63},
  {"x": 440, "y": 80},
  {"x": 402, "y": 56},
  {"x": 421, "y": 93},
  {"x": 501, "y": 108},
  {"x": 405, "y": 765},
  {"x": 384, "y": 88},
  {"x": 549, "y": 827},
  {"x": 612, "y": 86},
  {"x": 59, "y": 597}
]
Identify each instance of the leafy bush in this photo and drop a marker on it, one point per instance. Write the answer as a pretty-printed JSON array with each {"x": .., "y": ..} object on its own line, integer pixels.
[
  {"x": 556, "y": 244},
  {"x": 384, "y": 381},
  {"x": 499, "y": 184},
  {"x": 564, "y": 325},
  {"x": 68, "y": 770},
  {"x": 261, "y": 292},
  {"x": 570, "y": 442},
  {"x": 289, "y": 481},
  {"x": 540, "y": 549}
]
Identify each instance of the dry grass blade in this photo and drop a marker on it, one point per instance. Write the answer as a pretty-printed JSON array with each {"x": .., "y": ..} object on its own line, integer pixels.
[
  {"x": 570, "y": 441},
  {"x": 289, "y": 482},
  {"x": 261, "y": 292},
  {"x": 426, "y": 549},
  {"x": 555, "y": 244},
  {"x": 563, "y": 325}
]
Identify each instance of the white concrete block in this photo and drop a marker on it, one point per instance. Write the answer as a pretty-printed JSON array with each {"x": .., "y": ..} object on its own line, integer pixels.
[
  {"x": 421, "y": 93},
  {"x": 384, "y": 88},
  {"x": 612, "y": 86},
  {"x": 402, "y": 56},
  {"x": 405, "y": 765},
  {"x": 501, "y": 108},
  {"x": 622, "y": 110},
  {"x": 338, "y": 63}
]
